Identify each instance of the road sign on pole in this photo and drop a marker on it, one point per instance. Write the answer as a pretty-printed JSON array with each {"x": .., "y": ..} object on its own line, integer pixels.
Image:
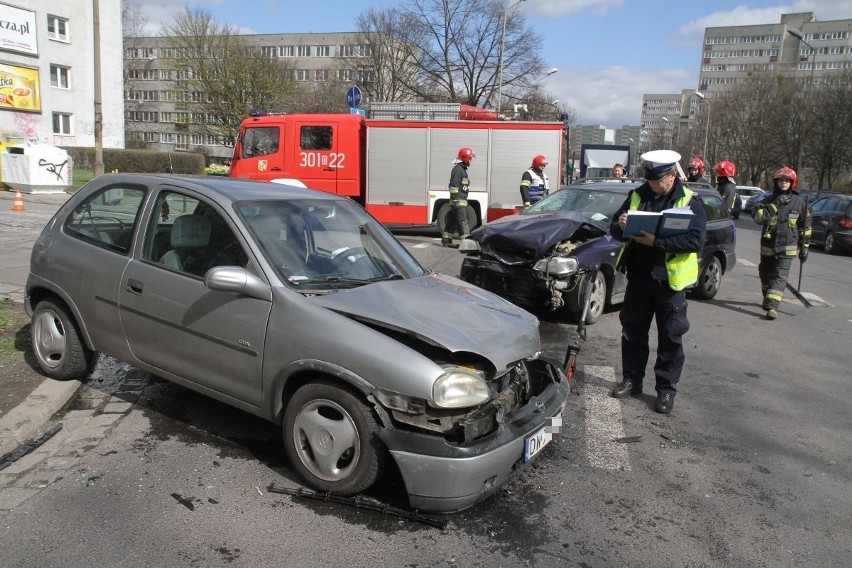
[{"x": 353, "y": 97}]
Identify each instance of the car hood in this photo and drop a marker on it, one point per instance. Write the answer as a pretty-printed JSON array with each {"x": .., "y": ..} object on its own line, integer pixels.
[
  {"x": 444, "y": 311},
  {"x": 537, "y": 232}
]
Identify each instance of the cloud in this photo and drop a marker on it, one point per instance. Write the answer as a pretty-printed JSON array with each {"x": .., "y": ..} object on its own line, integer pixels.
[
  {"x": 612, "y": 96},
  {"x": 557, "y": 8},
  {"x": 691, "y": 34}
]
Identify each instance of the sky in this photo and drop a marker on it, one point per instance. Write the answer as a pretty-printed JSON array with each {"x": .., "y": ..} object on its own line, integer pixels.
[{"x": 608, "y": 52}]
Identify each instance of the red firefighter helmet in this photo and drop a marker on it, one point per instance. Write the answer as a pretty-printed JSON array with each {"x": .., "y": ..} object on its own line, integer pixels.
[
  {"x": 539, "y": 161},
  {"x": 696, "y": 163},
  {"x": 788, "y": 173},
  {"x": 726, "y": 169},
  {"x": 466, "y": 155}
]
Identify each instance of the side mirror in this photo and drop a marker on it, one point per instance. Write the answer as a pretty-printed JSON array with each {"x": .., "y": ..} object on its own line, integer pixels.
[{"x": 237, "y": 280}]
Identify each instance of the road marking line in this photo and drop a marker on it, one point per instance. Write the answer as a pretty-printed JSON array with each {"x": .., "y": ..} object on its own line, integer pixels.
[
  {"x": 603, "y": 421},
  {"x": 421, "y": 245},
  {"x": 745, "y": 262}
]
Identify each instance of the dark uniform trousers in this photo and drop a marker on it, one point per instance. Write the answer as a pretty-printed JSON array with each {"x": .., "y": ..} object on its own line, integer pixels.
[
  {"x": 774, "y": 272},
  {"x": 645, "y": 299}
]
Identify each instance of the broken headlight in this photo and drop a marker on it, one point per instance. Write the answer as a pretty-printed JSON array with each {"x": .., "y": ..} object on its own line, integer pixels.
[{"x": 557, "y": 266}]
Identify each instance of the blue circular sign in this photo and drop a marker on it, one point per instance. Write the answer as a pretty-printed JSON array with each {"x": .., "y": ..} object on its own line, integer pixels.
[{"x": 353, "y": 97}]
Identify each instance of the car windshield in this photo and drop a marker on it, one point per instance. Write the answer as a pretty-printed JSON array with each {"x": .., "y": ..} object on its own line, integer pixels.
[
  {"x": 322, "y": 244},
  {"x": 596, "y": 205}
]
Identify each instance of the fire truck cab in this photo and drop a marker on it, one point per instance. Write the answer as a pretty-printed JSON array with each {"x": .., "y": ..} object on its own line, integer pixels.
[{"x": 399, "y": 169}]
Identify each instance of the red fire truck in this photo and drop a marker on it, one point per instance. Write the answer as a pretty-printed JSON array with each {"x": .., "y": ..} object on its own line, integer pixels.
[{"x": 399, "y": 168}]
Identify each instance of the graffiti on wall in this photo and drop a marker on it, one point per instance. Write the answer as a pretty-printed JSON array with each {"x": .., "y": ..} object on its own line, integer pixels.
[
  {"x": 26, "y": 130},
  {"x": 55, "y": 169}
]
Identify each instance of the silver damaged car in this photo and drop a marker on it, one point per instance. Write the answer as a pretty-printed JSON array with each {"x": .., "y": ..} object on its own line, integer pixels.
[{"x": 299, "y": 307}]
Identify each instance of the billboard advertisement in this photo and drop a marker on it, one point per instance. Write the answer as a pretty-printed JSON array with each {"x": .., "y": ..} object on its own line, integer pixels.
[
  {"x": 18, "y": 30},
  {"x": 19, "y": 88}
]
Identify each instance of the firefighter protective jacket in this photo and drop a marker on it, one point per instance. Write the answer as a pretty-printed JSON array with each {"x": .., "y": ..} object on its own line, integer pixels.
[
  {"x": 786, "y": 224},
  {"x": 459, "y": 184}
]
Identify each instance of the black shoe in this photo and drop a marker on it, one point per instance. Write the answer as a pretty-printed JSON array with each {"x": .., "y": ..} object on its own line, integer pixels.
[
  {"x": 625, "y": 388},
  {"x": 665, "y": 403},
  {"x": 449, "y": 244}
]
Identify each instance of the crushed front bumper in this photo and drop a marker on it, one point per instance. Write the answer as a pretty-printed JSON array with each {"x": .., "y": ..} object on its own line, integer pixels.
[{"x": 442, "y": 477}]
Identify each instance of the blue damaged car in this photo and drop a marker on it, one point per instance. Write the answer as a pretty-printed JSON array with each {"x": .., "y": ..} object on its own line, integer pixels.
[{"x": 538, "y": 258}]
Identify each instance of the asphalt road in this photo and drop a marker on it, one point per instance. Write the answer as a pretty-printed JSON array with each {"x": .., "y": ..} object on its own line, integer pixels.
[{"x": 752, "y": 468}]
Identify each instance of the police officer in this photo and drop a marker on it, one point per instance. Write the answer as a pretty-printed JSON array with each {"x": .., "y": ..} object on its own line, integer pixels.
[
  {"x": 658, "y": 272},
  {"x": 459, "y": 187},
  {"x": 786, "y": 230},
  {"x": 534, "y": 183}
]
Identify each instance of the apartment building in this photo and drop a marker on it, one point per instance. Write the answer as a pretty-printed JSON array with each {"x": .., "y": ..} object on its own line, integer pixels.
[
  {"x": 799, "y": 46},
  {"x": 158, "y": 103},
  {"x": 48, "y": 74}
]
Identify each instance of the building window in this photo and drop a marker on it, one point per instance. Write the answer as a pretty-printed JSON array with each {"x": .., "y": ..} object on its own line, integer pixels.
[
  {"x": 285, "y": 51},
  {"x": 269, "y": 51},
  {"x": 303, "y": 74},
  {"x": 182, "y": 142},
  {"x": 167, "y": 137},
  {"x": 59, "y": 77},
  {"x": 304, "y": 51},
  {"x": 365, "y": 50},
  {"x": 323, "y": 51},
  {"x": 57, "y": 28},
  {"x": 346, "y": 50},
  {"x": 321, "y": 74},
  {"x": 62, "y": 123}
]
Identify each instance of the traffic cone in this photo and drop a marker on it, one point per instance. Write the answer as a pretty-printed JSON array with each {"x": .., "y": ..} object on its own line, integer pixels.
[{"x": 18, "y": 204}]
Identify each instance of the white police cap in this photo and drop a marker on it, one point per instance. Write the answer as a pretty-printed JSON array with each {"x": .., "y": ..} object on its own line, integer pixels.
[{"x": 657, "y": 163}]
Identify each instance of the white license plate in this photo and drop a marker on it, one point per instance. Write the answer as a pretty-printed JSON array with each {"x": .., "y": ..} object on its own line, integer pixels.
[{"x": 536, "y": 442}]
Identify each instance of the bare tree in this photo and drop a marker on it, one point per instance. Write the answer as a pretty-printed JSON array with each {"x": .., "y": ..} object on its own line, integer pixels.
[
  {"x": 391, "y": 61},
  {"x": 828, "y": 149},
  {"x": 460, "y": 44},
  {"x": 224, "y": 77},
  {"x": 133, "y": 22},
  {"x": 750, "y": 126}
]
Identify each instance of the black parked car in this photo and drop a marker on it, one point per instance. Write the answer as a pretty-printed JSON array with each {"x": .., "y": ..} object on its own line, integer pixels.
[
  {"x": 538, "y": 258},
  {"x": 832, "y": 222}
]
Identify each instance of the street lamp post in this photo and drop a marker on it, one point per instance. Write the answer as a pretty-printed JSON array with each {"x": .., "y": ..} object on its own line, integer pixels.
[
  {"x": 670, "y": 132},
  {"x": 801, "y": 37},
  {"x": 701, "y": 96},
  {"x": 502, "y": 47}
]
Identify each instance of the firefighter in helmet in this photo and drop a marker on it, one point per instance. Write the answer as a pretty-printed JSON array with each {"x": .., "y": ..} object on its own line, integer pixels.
[
  {"x": 786, "y": 232},
  {"x": 459, "y": 187},
  {"x": 695, "y": 169},
  {"x": 534, "y": 183},
  {"x": 725, "y": 172}
]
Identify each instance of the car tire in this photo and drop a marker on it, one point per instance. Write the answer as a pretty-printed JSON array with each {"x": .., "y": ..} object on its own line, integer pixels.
[
  {"x": 445, "y": 211},
  {"x": 709, "y": 279},
  {"x": 330, "y": 437},
  {"x": 57, "y": 344},
  {"x": 597, "y": 300},
  {"x": 830, "y": 247}
]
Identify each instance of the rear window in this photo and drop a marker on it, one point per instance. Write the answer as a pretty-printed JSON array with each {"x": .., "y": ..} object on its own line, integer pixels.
[{"x": 714, "y": 207}]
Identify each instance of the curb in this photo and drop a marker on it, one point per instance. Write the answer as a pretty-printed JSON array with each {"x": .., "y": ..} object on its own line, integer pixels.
[{"x": 22, "y": 423}]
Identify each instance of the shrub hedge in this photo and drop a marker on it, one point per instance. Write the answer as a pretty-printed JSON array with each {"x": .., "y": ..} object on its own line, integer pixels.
[{"x": 139, "y": 161}]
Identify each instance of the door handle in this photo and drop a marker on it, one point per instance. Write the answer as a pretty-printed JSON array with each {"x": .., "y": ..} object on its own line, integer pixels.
[
  {"x": 134, "y": 286},
  {"x": 275, "y": 169}
]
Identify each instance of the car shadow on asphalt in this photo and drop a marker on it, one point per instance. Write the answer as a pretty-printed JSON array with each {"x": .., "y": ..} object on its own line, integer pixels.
[{"x": 192, "y": 418}]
